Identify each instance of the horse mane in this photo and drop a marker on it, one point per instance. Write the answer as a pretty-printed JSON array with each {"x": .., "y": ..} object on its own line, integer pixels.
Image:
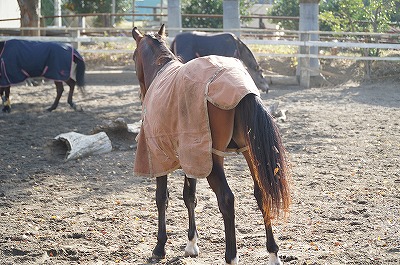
[
  {"x": 2, "y": 46},
  {"x": 164, "y": 54},
  {"x": 246, "y": 55}
]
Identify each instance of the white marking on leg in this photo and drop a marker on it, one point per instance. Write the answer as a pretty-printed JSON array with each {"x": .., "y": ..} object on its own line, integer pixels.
[
  {"x": 274, "y": 259},
  {"x": 191, "y": 249},
  {"x": 235, "y": 261}
]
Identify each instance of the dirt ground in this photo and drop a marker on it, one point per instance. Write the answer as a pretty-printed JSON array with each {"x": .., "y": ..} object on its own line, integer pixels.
[{"x": 344, "y": 147}]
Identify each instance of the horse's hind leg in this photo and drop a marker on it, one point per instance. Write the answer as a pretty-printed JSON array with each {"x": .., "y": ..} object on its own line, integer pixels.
[
  {"x": 71, "y": 83},
  {"x": 162, "y": 203},
  {"x": 189, "y": 196},
  {"x": 226, "y": 202},
  {"x": 221, "y": 125},
  {"x": 5, "y": 99},
  {"x": 272, "y": 247},
  {"x": 60, "y": 90},
  {"x": 240, "y": 139}
]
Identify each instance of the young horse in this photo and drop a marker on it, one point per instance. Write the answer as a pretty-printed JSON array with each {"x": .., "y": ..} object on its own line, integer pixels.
[
  {"x": 184, "y": 128},
  {"x": 21, "y": 59},
  {"x": 190, "y": 45}
]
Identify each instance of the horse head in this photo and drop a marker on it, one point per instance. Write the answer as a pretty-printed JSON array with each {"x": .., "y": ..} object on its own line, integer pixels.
[
  {"x": 258, "y": 77},
  {"x": 150, "y": 55},
  {"x": 254, "y": 69}
]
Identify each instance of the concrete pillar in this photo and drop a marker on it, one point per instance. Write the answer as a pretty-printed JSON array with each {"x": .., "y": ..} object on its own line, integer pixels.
[
  {"x": 231, "y": 18},
  {"x": 57, "y": 12},
  {"x": 113, "y": 12},
  {"x": 309, "y": 10},
  {"x": 174, "y": 18}
]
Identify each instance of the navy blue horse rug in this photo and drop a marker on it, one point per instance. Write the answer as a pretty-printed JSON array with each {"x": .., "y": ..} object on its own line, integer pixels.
[{"x": 21, "y": 59}]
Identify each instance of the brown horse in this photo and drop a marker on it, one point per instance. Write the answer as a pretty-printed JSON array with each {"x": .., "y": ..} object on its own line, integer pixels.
[
  {"x": 246, "y": 126},
  {"x": 21, "y": 59}
]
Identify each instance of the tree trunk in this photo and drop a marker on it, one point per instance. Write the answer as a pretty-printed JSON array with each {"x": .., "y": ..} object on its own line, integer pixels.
[{"x": 30, "y": 16}]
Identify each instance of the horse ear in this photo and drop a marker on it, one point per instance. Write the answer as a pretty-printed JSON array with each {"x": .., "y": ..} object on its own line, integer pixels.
[
  {"x": 161, "y": 32},
  {"x": 136, "y": 34}
]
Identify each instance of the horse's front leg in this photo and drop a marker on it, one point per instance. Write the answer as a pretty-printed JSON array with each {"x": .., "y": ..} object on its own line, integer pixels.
[
  {"x": 226, "y": 201},
  {"x": 189, "y": 196},
  {"x": 162, "y": 204},
  {"x": 60, "y": 90},
  {"x": 5, "y": 99}
]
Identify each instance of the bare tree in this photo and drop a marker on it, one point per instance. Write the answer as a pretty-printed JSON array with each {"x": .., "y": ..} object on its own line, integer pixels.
[{"x": 30, "y": 11}]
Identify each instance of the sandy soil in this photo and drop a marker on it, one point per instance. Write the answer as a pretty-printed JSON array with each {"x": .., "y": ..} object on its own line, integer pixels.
[{"x": 345, "y": 152}]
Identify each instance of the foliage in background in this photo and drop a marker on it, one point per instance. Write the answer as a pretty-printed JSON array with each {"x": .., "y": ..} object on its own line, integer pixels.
[
  {"x": 343, "y": 15},
  {"x": 289, "y": 8},
  {"x": 47, "y": 9},
  {"x": 86, "y": 6},
  {"x": 357, "y": 15},
  {"x": 208, "y": 7}
]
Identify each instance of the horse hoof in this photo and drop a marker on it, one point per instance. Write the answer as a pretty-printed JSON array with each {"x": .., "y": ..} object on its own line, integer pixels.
[
  {"x": 6, "y": 109},
  {"x": 158, "y": 254},
  {"x": 191, "y": 249},
  {"x": 274, "y": 259},
  {"x": 192, "y": 252},
  {"x": 157, "y": 257},
  {"x": 235, "y": 261}
]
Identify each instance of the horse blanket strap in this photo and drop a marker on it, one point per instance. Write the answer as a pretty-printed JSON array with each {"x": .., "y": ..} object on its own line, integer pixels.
[
  {"x": 230, "y": 151},
  {"x": 175, "y": 131},
  {"x": 21, "y": 59}
]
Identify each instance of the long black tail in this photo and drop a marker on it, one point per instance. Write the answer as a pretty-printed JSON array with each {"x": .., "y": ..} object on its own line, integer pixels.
[
  {"x": 80, "y": 72},
  {"x": 267, "y": 153}
]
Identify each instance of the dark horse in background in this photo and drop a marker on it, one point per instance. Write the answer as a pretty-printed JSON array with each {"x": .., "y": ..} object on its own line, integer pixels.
[
  {"x": 190, "y": 45},
  {"x": 21, "y": 59},
  {"x": 248, "y": 126}
]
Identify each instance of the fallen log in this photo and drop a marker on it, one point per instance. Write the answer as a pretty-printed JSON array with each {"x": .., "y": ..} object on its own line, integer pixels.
[
  {"x": 74, "y": 145},
  {"x": 282, "y": 80}
]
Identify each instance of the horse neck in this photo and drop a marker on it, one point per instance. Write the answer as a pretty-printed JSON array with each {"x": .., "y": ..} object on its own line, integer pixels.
[
  {"x": 247, "y": 57},
  {"x": 150, "y": 72}
]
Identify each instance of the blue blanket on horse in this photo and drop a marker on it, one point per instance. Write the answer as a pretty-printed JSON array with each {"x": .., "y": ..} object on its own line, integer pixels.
[{"x": 21, "y": 59}]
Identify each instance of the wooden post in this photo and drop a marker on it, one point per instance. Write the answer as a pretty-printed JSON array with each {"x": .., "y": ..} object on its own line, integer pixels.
[
  {"x": 231, "y": 17},
  {"x": 174, "y": 17}
]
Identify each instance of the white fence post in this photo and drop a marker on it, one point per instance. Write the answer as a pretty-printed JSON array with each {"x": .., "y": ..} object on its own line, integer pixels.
[
  {"x": 309, "y": 10},
  {"x": 231, "y": 17},
  {"x": 304, "y": 62},
  {"x": 174, "y": 17}
]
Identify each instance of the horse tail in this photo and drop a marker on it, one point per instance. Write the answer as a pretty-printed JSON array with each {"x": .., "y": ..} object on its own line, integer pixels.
[
  {"x": 80, "y": 71},
  {"x": 268, "y": 155}
]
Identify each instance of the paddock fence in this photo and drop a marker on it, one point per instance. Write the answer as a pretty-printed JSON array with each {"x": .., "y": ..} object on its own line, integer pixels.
[{"x": 306, "y": 46}]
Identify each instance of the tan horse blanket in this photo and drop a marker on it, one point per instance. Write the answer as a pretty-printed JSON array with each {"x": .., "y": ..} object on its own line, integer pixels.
[{"x": 175, "y": 131}]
